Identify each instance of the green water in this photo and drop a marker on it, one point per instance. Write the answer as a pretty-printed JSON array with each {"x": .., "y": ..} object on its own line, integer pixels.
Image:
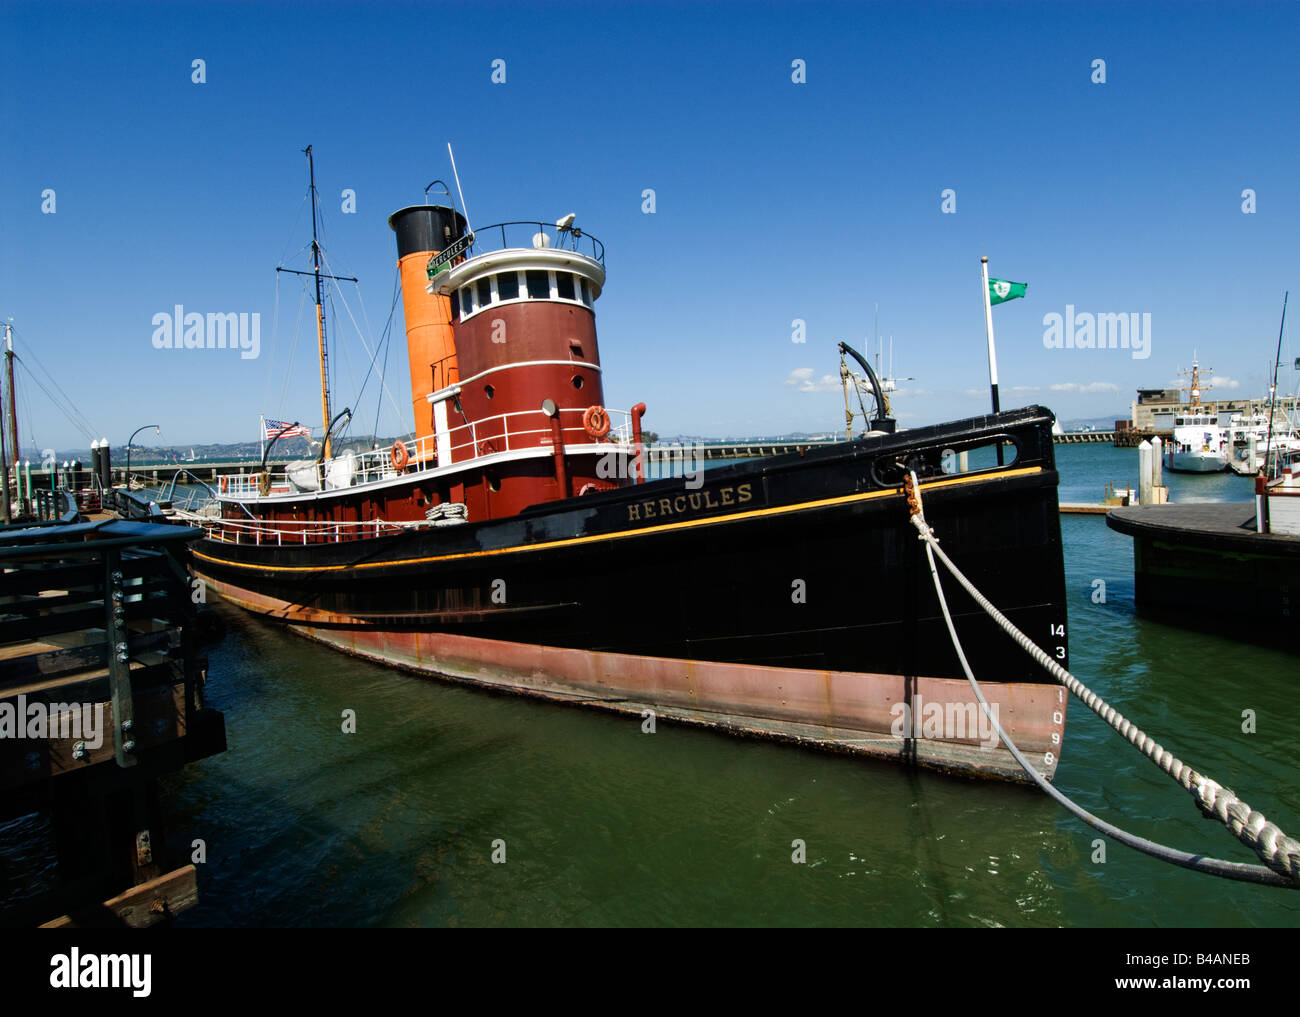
[{"x": 604, "y": 825}]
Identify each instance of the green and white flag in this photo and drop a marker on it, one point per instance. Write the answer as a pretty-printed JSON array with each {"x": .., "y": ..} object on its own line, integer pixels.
[{"x": 1001, "y": 291}]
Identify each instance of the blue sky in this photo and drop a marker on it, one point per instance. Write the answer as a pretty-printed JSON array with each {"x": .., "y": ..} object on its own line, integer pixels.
[{"x": 775, "y": 200}]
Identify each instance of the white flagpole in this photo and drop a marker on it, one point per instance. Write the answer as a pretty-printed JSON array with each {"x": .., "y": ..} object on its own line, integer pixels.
[
  {"x": 262, "y": 433},
  {"x": 988, "y": 328}
]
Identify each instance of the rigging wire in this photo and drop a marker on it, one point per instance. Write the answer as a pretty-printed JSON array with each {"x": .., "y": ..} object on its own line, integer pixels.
[
  {"x": 372, "y": 354},
  {"x": 67, "y": 407},
  {"x": 81, "y": 426},
  {"x": 347, "y": 362},
  {"x": 293, "y": 348},
  {"x": 387, "y": 340},
  {"x": 294, "y": 229},
  {"x": 333, "y": 296},
  {"x": 275, "y": 331},
  {"x": 25, "y": 412}
]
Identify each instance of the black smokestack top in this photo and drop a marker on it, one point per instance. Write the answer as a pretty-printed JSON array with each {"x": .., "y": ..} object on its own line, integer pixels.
[{"x": 426, "y": 228}]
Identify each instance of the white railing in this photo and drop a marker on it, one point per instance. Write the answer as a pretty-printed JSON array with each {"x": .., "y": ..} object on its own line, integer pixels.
[
  {"x": 248, "y": 485},
  {"x": 281, "y": 532},
  {"x": 505, "y": 432}
]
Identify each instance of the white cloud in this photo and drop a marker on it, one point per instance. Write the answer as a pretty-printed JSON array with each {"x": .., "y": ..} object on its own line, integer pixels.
[
  {"x": 1095, "y": 386},
  {"x": 802, "y": 379},
  {"x": 1223, "y": 381}
]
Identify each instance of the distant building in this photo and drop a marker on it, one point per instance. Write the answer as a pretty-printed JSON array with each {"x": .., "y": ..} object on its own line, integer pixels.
[{"x": 1155, "y": 409}]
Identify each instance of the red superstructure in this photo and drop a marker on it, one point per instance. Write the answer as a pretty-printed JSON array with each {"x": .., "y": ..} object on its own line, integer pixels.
[{"x": 507, "y": 397}]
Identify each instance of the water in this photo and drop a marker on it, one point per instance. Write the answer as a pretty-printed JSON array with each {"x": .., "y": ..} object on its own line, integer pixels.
[{"x": 603, "y": 825}]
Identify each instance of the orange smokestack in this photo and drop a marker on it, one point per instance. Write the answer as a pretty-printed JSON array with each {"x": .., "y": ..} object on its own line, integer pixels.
[{"x": 422, "y": 231}]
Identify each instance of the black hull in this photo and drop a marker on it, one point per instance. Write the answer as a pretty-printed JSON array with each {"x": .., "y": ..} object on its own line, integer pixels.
[{"x": 802, "y": 562}]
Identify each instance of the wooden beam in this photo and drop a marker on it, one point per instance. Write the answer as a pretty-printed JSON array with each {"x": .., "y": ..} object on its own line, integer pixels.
[{"x": 141, "y": 906}]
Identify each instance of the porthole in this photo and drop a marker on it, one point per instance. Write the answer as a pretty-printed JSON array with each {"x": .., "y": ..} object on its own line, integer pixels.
[
  {"x": 489, "y": 391},
  {"x": 577, "y": 381}
]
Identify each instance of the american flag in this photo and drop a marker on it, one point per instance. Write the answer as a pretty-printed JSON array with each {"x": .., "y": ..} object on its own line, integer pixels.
[{"x": 274, "y": 427}]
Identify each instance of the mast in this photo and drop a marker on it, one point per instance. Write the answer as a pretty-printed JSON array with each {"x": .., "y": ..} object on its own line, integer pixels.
[
  {"x": 1272, "y": 392},
  {"x": 13, "y": 408},
  {"x": 1195, "y": 389},
  {"x": 320, "y": 314},
  {"x": 4, "y": 472}
]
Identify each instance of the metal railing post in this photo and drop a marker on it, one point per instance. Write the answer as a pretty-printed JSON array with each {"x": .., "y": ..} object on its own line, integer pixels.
[{"x": 119, "y": 660}]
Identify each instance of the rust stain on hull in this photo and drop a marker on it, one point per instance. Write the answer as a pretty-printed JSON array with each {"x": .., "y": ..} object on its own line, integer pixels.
[{"x": 843, "y": 711}]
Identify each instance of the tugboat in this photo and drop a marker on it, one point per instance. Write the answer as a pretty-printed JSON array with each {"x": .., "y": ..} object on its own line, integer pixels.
[{"x": 515, "y": 542}]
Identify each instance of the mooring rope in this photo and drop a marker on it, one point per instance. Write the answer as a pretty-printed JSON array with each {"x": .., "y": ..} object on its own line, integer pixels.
[{"x": 1280, "y": 853}]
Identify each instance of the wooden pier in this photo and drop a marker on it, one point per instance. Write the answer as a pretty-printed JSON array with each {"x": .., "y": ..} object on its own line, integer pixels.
[
  {"x": 1205, "y": 566},
  {"x": 101, "y": 693}
]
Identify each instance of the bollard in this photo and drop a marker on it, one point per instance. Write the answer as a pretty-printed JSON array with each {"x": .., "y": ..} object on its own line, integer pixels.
[
  {"x": 105, "y": 464},
  {"x": 1144, "y": 473},
  {"x": 1159, "y": 493}
]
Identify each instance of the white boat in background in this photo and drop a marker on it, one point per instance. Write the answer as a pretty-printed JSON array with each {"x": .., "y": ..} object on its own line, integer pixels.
[
  {"x": 1250, "y": 442},
  {"x": 1200, "y": 441},
  {"x": 1200, "y": 445}
]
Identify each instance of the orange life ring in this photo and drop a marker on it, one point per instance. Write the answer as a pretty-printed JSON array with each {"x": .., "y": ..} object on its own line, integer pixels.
[
  {"x": 400, "y": 456},
  {"x": 223, "y": 483},
  {"x": 595, "y": 420}
]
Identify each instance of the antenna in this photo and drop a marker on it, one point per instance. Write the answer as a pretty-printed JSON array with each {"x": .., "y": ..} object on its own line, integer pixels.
[
  {"x": 875, "y": 334},
  {"x": 468, "y": 229}
]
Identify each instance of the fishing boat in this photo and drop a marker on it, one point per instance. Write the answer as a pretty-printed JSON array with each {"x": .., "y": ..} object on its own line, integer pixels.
[{"x": 515, "y": 542}]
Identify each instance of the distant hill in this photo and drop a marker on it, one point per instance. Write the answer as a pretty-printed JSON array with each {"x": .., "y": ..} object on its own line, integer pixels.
[
  {"x": 246, "y": 451},
  {"x": 1096, "y": 423}
]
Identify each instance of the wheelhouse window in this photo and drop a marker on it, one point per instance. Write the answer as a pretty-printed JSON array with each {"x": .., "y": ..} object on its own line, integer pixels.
[
  {"x": 539, "y": 285},
  {"x": 508, "y": 285},
  {"x": 530, "y": 284}
]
